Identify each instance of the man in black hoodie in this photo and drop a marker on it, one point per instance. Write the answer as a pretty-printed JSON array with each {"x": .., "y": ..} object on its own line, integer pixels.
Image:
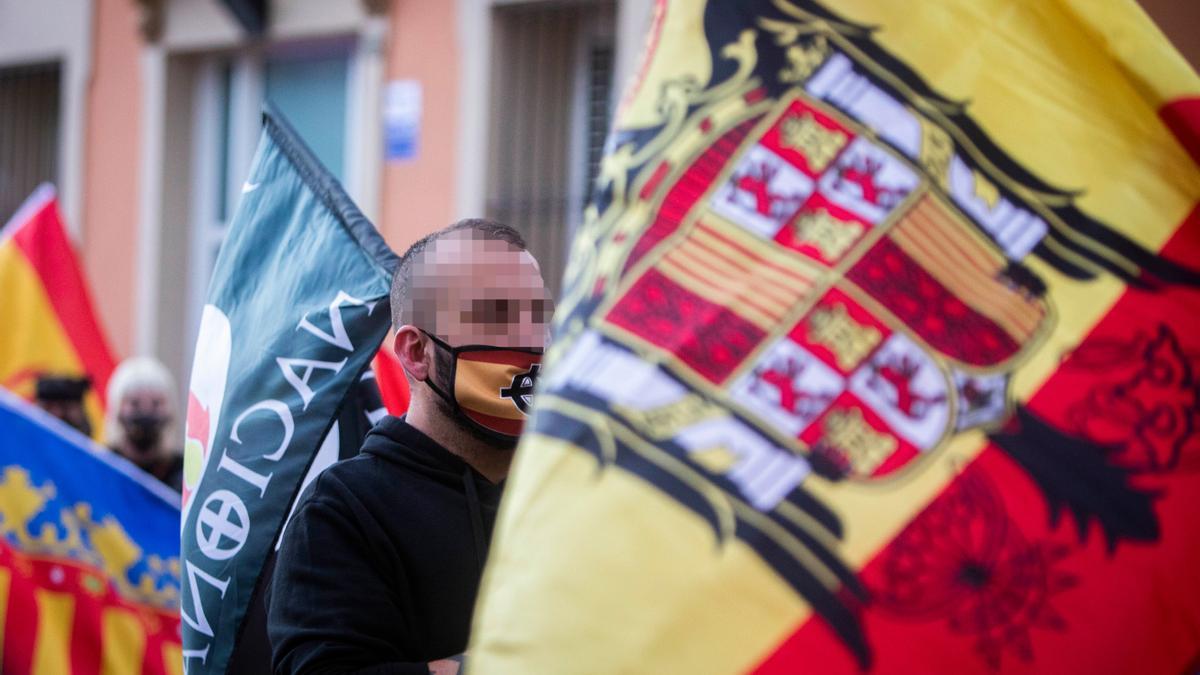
[{"x": 379, "y": 567}]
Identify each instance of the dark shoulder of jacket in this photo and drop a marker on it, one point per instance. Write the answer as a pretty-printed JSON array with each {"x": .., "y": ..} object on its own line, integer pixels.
[
  {"x": 351, "y": 490},
  {"x": 335, "y": 488},
  {"x": 330, "y": 501}
]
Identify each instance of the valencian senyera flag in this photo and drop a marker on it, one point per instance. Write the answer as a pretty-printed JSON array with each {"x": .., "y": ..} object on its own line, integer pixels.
[
  {"x": 878, "y": 351},
  {"x": 295, "y": 312},
  {"x": 89, "y": 554},
  {"x": 51, "y": 327}
]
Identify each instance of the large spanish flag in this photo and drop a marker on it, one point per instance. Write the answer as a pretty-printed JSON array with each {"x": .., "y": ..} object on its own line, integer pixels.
[
  {"x": 879, "y": 351},
  {"x": 50, "y": 326}
]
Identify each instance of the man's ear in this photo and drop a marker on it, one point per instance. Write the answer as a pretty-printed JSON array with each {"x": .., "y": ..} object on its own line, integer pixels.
[{"x": 409, "y": 348}]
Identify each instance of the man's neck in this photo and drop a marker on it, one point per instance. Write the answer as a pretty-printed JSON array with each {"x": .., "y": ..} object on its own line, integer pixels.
[{"x": 491, "y": 462}]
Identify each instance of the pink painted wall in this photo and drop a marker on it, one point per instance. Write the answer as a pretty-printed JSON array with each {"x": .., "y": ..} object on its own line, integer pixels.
[
  {"x": 418, "y": 195},
  {"x": 110, "y": 170}
]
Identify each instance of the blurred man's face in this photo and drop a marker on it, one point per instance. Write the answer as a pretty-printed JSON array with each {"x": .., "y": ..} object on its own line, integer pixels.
[
  {"x": 69, "y": 411},
  {"x": 471, "y": 291}
]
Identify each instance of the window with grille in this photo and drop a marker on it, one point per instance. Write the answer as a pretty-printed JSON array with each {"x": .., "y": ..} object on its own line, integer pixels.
[
  {"x": 551, "y": 81},
  {"x": 599, "y": 109},
  {"x": 29, "y": 134}
]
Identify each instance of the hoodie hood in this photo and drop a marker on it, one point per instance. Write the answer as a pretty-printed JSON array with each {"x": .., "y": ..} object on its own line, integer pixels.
[
  {"x": 395, "y": 440},
  {"x": 382, "y": 560}
]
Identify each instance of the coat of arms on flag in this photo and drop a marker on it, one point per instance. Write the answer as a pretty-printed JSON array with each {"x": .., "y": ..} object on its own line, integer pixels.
[
  {"x": 821, "y": 309},
  {"x": 89, "y": 554}
]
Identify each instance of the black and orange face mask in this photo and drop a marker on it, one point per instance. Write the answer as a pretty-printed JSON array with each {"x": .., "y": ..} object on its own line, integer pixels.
[{"x": 492, "y": 387}]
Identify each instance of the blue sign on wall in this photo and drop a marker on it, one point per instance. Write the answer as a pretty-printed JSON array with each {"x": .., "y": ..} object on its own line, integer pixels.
[{"x": 401, "y": 119}]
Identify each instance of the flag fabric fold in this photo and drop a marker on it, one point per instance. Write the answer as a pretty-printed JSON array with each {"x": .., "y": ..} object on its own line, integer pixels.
[
  {"x": 296, "y": 310},
  {"x": 1161, "y": 74},
  {"x": 89, "y": 554},
  {"x": 59, "y": 332},
  {"x": 876, "y": 352}
]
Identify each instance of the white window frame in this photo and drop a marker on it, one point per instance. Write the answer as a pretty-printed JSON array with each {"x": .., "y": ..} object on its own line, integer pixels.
[
  {"x": 599, "y": 29},
  {"x": 206, "y": 227},
  {"x": 362, "y": 156}
]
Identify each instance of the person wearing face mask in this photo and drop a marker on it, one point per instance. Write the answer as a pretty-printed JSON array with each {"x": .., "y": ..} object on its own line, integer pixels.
[
  {"x": 62, "y": 397},
  {"x": 379, "y": 567},
  {"x": 139, "y": 424}
]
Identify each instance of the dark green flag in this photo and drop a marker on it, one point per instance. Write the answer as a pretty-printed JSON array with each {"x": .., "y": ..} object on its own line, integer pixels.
[{"x": 297, "y": 308}]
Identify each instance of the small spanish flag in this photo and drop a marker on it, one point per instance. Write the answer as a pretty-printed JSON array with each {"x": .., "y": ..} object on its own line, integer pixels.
[{"x": 51, "y": 328}]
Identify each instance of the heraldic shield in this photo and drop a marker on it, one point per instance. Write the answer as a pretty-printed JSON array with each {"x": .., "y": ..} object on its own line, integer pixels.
[
  {"x": 902, "y": 322},
  {"x": 818, "y": 271}
]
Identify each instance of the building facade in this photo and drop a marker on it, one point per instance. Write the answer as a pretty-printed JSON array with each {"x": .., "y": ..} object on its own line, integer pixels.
[{"x": 145, "y": 114}]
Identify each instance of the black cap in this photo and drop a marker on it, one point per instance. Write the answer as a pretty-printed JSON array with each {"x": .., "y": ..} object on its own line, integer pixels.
[{"x": 60, "y": 388}]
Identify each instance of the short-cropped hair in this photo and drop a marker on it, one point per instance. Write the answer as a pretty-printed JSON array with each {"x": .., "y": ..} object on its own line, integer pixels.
[{"x": 479, "y": 228}]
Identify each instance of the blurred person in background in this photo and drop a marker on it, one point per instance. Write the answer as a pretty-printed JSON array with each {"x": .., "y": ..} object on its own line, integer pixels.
[
  {"x": 62, "y": 397},
  {"x": 140, "y": 421}
]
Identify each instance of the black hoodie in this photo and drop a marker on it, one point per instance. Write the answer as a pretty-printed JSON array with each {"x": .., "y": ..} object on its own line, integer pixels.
[{"x": 381, "y": 562}]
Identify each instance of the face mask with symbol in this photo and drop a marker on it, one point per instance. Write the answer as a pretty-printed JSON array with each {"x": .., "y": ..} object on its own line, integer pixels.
[{"x": 492, "y": 387}]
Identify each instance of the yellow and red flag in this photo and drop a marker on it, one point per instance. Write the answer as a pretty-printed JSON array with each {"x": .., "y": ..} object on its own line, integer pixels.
[
  {"x": 51, "y": 327},
  {"x": 879, "y": 351}
]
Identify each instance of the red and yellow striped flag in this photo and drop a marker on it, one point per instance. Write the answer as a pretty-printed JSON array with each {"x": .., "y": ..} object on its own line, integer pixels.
[
  {"x": 879, "y": 350},
  {"x": 51, "y": 327}
]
